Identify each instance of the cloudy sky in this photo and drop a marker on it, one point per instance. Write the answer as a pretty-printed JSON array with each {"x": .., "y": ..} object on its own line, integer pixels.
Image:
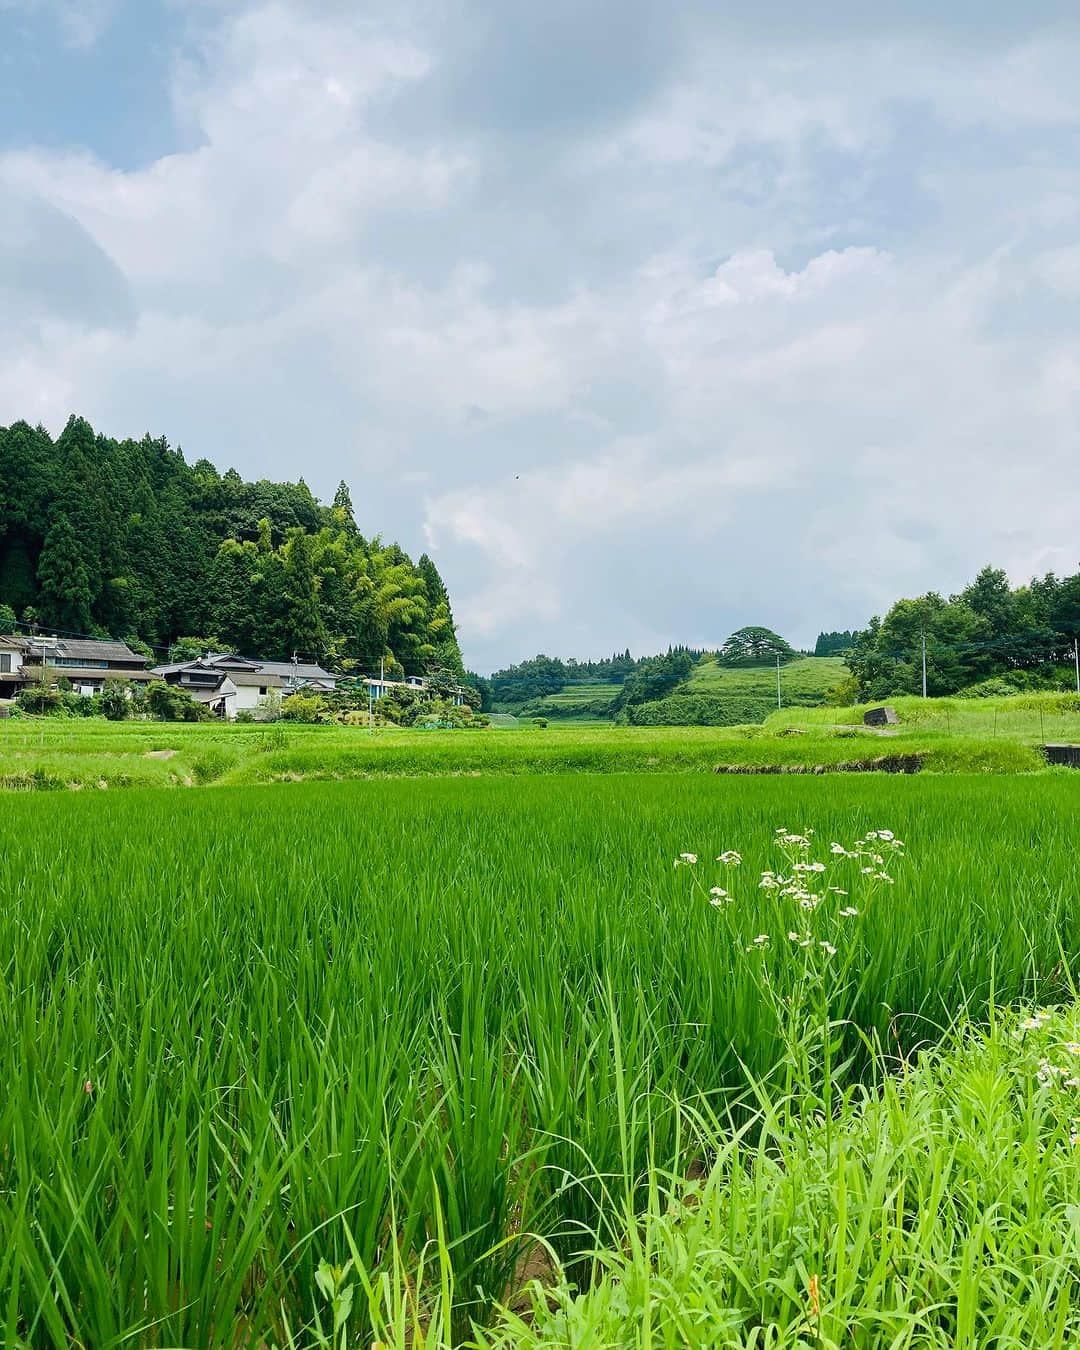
[{"x": 647, "y": 320}]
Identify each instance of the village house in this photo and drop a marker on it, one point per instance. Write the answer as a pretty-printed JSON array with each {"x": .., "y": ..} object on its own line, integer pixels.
[
  {"x": 380, "y": 687},
  {"x": 229, "y": 684},
  {"x": 86, "y": 663}
]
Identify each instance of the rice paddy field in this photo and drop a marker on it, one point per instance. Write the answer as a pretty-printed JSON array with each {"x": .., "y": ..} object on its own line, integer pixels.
[
  {"x": 516, "y": 1058},
  {"x": 949, "y": 735}
]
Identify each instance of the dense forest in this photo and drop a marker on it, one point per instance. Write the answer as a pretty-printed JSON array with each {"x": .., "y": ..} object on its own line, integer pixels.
[{"x": 125, "y": 538}]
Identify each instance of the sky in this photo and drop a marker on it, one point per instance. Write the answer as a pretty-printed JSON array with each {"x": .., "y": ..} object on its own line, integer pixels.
[{"x": 647, "y": 320}]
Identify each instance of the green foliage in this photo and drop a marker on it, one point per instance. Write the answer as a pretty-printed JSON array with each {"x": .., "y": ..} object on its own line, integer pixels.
[
  {"x": 168, "y": 703},
  {"x": 655, "y": 677},
  {"x": 754, "y": 647},
  {"x": 834, "y": 644},
  {"x": 889, "y": 1214},
  {"x": 987, "y": 631},
  {"x": 40, "y": 697},
  {"x": 307, "y": 708},
  {"x": 64, "y": 576},
  {"x": 105, "y": 536},
  {"x": 192, "y": 648},
  {"x": 7, "y": 619},
  {"x": 212, "y": 763},
  {"x": 545, "y": 676},
  {"x": 115, "y": 700},
  {"x": 482, "y": 688},
  {"x": 703, "y": 710}
]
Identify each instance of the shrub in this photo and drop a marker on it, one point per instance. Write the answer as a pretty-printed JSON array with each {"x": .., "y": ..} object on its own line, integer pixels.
[
  {"x": 114, "y": 700},
  {"x": 699, "y": 710},
  {"x": 245, "y": 716},
  {"x": 169, "y": 704},
  {"x": 82, "y": 705},
  {"x": 41, "y": 699},
  {"x": 303, "y": 708}
]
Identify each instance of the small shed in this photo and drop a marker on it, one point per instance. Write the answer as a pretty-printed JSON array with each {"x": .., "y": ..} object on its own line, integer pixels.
[{"x": 880, "y": 717}]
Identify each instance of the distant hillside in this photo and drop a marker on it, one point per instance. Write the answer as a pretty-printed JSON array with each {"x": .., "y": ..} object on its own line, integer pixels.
[
  {"x": 710, "y": 694},
  {"x": 718, "y": 695}
]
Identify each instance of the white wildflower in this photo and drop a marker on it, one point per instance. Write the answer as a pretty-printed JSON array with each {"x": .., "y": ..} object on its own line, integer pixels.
[
  {"x": 848, "y": 912},
  {"x": 761, "y": 940},
  {"x": 827, "y": 948},
  {"x": 730, "y": 858}
]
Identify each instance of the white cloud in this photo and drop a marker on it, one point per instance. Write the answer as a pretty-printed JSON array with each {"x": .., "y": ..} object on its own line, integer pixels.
[
  {"x": 81, "y": 22},
  {"x": 788, "y": 336}
]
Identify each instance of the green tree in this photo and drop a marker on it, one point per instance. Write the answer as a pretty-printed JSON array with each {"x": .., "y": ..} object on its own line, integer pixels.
[
  {"x": 754, "y": 647},
  {"x": 304, "y": 629},
  {"x": 192, "y": 648},
  {"x": 64, "y": 579}
]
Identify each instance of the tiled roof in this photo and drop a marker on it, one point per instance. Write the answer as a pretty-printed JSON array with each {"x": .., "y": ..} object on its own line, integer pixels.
[{"x": 85, "y": 649}]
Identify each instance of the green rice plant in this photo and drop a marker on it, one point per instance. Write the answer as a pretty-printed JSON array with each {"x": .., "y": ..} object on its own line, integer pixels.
[{"x": 413, "y": 1037}]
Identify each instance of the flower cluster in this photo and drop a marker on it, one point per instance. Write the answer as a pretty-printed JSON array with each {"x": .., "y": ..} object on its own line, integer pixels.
[
  {"x": 1057, "y": 1064},
  {"x": 806, "y": 883}
]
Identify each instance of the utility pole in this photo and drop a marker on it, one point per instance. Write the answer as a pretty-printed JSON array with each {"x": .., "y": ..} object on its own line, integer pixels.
[
  {"x": 778, "y": 679},
  {"x": 1076, "y": 658},
  {"x": 924, "y": 664}
]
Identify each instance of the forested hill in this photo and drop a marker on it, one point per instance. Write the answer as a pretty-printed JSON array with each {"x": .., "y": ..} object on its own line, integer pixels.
[{"x": 125, "y": 538}]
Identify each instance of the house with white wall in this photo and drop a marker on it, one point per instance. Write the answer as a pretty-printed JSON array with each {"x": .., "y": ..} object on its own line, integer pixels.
[{"x": 229, "y": 684}]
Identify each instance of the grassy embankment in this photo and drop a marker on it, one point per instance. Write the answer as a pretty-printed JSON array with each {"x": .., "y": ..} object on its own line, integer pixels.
[
  {"x": 411, "y": 1024},
  {"x": 978, "y": 735},
  {"x": 937, "y": 1209}
]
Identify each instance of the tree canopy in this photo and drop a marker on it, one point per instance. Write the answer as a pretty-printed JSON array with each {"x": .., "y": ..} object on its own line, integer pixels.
[
  {"x": 754, "y": 647},
  {"x": 125, "y": 538},
  {"x": 988, "y": 630}
]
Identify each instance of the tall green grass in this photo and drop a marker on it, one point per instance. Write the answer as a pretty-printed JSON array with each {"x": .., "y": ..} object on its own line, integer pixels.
[
  {"x": 416, "y": 1025},
  {"x": 936, "y": 1208}
]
